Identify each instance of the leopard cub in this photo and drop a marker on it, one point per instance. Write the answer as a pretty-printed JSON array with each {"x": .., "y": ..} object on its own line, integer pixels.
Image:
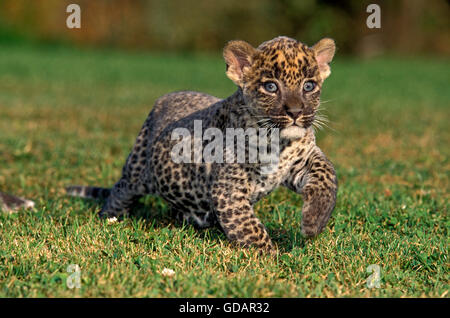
[{"x": 278, "y": 87}]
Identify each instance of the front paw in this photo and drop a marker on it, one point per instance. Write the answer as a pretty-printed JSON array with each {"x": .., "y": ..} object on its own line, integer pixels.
[
  {"x": 310, "y": 232},
  {"x": 314, "y": 223},
  {"x": 272, "y": 250},
  {"x": 263, "y": 248}
]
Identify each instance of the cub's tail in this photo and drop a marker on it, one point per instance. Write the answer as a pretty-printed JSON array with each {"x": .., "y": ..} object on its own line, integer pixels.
[{"x": 88, "y": 192}]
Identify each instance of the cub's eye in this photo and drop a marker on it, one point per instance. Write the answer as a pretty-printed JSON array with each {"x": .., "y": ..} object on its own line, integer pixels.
[
  {"x": 270, "y": 87},
  {"x": 309, "y": 86}
]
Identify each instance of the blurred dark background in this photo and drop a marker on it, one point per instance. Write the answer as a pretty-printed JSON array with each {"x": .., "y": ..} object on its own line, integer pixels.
[{"x": 407, "y": 27}]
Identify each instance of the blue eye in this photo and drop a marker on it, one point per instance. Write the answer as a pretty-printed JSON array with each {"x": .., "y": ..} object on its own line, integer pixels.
[
  {"x": 309, "y": 86},
  {"x": 270, "y": 87}
]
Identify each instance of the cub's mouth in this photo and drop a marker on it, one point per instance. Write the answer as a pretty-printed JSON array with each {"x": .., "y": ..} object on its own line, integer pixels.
[
  {"x": 302, "y": 121},
  {"x": 296, "y": 129},
  {"x": 292, "y": 132},
  {"x": 291, "y": 128}
]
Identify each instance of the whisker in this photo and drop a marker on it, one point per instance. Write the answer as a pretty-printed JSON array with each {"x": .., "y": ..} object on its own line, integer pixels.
[
  {"x": 322, "y": 118},
  {"x": 320, "y": 124},
  {"x": 327, "y": 101}
]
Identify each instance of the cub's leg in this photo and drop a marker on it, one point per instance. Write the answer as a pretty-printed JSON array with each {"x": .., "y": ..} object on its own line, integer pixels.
[
  {"x": 316, "y": 180},
  {"x": 135, "y": 178},
  {"x": 236, "y": 216},
  {"x": 119, "y": 201}
]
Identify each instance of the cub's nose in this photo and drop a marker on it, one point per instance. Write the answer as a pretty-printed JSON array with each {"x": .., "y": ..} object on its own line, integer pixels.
[{"x": 294, "y": 113}]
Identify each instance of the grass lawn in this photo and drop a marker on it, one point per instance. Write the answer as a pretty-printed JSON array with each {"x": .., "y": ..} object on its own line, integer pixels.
[{"x": 71, "y": 117}]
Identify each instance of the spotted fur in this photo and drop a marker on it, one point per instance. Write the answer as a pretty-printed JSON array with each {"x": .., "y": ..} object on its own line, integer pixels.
[{"x": 223, "y": 194}]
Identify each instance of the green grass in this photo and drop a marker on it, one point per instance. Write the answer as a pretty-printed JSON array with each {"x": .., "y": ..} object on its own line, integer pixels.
[{"x": 71, "y": 117}]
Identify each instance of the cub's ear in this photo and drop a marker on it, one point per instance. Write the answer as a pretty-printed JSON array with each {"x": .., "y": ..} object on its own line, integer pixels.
[
  {"x": 238, "y": 55},
  {"x": 324, "y": 52}
]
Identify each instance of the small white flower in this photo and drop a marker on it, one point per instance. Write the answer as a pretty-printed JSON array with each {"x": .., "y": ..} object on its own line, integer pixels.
[
  {"x": 403, "y": 206},
  {"x": 112, "y": 220},
  {"x": 168, "y": 272}
]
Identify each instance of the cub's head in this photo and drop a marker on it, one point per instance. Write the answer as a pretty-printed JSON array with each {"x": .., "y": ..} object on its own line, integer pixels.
[{"x": 281, "y": 80}]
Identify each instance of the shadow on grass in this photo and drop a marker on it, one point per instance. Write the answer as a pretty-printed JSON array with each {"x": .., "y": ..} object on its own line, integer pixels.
[
  {"x": 287, "y": 239},
  {"x": 155, "y": 212}
]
